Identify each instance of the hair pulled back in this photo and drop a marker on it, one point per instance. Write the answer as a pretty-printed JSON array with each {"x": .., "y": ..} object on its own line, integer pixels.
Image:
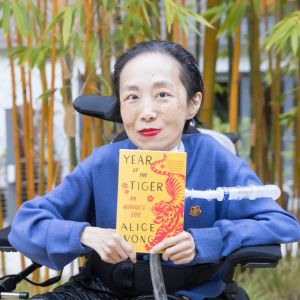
[{"x": 189, "y": 72}]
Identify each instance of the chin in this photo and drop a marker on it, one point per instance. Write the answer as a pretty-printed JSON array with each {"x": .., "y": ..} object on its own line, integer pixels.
[{"x": 154, "y": 147}]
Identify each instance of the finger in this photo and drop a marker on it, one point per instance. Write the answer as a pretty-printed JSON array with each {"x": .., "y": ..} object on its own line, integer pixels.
[
  {"x": 189, "y": 254},
  {"x": 121, "y": 252},
  {"x": 128, "y": 250},
  {"x": 173, "y": 250},
  {"x": 168, "y": 242},
  {"x": 171, "y": 241},
  {"x": 108, "y": 255},
  {"x": 183, "y": 261},
  {"x": 183, "y": 246}
]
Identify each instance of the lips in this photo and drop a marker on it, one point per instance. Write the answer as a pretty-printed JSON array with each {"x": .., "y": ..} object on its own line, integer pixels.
[{"x": 148, "y": 132}]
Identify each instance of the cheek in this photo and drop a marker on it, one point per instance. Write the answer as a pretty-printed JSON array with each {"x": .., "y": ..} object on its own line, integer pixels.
[{"x": 128, "y": 117}]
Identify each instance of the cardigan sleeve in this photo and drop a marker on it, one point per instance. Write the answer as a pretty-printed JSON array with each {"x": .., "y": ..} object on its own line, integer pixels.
[
  {"x": 47, "y": 229},
  {"x": 246, "y": 223}
]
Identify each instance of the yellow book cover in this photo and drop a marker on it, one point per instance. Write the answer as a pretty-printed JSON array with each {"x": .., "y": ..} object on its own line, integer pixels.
[{"x": 150, "y": 196}]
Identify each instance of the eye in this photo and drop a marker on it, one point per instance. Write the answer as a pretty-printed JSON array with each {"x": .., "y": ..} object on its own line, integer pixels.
[
  {"x": 131, "y": 97},
  {"x": 163, "y": 94}
]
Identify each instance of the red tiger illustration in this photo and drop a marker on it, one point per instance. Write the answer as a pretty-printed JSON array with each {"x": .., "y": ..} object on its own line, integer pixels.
[{"x": 168, "y": 213}]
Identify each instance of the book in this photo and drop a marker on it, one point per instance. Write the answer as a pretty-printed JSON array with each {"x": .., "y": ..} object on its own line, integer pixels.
[{"x": 151, "y": 190}]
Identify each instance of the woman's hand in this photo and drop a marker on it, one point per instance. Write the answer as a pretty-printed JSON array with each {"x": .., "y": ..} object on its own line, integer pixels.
[
  {"x": 180, "y": 248},
  {"x": 111, "y": 247}
]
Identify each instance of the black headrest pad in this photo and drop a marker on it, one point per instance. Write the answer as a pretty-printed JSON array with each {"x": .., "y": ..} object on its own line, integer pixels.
[{"x": 102, "y": 107}]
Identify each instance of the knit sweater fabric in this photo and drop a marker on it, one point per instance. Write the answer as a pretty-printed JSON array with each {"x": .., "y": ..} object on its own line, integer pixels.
[{"x": 47, "y": 229}]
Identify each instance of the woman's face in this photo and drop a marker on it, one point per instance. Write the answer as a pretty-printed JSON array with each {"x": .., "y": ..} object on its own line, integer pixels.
[{"x": 153, "y": 101}]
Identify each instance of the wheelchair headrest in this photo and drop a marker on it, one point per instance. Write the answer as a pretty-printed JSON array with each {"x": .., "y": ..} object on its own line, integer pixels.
[{"x": 102, "y": 107}]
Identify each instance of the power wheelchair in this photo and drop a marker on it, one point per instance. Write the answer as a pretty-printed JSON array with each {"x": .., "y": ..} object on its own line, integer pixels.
[{"x": 104, "y": 107}]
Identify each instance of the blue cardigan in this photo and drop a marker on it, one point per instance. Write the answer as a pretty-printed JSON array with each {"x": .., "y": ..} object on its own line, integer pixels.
[{"x": 47, "y": 229}]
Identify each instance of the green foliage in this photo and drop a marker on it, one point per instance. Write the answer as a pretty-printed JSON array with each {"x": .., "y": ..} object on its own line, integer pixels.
[
  {"x": 185, "y": 16},
  {"x": 67, "y": 23},
  {"x": 22, "y": 19},
  {"x": 233, "y": 12},
  {"x": 285, "y": 35},
  {"x": 288, "y": 117},
  {"x": 280, "y": 283},
  {"x": 6, "y": 12}
]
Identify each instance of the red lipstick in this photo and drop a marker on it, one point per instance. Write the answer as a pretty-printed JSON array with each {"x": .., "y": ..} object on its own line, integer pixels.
[{"x": 148, "y": 132}]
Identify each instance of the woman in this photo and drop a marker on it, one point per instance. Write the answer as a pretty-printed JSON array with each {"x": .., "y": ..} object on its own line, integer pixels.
[{"x": 159, "y": 89}]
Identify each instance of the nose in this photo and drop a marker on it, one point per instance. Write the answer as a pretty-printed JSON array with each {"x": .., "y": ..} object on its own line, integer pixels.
[{"x": 148, "y": 111}]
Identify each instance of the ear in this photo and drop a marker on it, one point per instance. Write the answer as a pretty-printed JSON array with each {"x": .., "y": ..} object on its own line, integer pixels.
[{"x": 194, "y": 105}]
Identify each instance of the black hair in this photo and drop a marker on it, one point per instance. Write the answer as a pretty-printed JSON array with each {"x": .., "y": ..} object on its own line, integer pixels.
[{"x": 190, "y": 75}]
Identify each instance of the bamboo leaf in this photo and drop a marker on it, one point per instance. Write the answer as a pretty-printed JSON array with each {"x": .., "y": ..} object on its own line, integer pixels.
[
  {"x": 45, "y": 94},
  {"x": 18, "y": 17},
  {"x": 108, "y": 4},
  {"x": 105, "y": 3},
  {"x": 6, "y": 11},
  {"x": 34, "y": 56},
  {"x": 146, "y": 15},
  {"x": 182, "y": 22},
  {"x": 169, "y": 13},
  {"x": 27, "y": 19},
  {"x": 67, "y": 24},
  {"x": 295, "y": 41},
  {"x": 93, "y": 46},
  {"x": 200, "y": 19},
  {"x": 217, "y": 10},
  {"x": 57, "y": 18},
  {"x": 288, "y": 117},
  {"x": 36, "y": 13},
  {"x": 285, "y": 35}
]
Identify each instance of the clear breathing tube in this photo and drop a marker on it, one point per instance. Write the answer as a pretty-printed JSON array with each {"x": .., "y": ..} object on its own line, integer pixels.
[{"x": 250, "y": 192}]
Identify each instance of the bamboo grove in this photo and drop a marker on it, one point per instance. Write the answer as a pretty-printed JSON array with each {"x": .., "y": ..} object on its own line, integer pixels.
[{"x": 59, "y": 33}]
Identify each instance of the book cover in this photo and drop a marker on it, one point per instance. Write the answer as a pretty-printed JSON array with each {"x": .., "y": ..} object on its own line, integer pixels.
[{"x": 151, "y": 190}]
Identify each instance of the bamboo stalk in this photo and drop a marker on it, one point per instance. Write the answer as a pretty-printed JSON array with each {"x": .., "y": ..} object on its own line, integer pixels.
[
  {"x": 45, "y": 9},
  {"x": 30, "y": 154},
  {"x": 183, "y": 33},
  {"x": 276, "y": 107},
  {"x": 87, "y": 142},
  {"x": 30, "y": 162},
  {"x": 26, "y": 135},
  {"x": 50, "y": 177},
  {"x": 42, "y": 129},
  {"x": 209, "y": 68},
  {"x": 3, "y": 269},
  {"x": 175, "y": 30},
  {"x": 260, "y": 150},
  {"x": 104, "y": 21},
  {"x": 297, "y": 143},
  {"x": 69, "y": 119},
  {"x": 16, "y": 137},
  {"x": 198, "y": 39},
  {"x": 234, "y": 88},
  {"x": 155, "y": 21},
  {"x": 43, "y": 117}
]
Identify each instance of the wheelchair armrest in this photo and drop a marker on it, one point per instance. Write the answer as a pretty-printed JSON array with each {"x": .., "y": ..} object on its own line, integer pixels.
[
  {"x": 251, "y": 257},
  {"x": 5, "y": 246}
]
